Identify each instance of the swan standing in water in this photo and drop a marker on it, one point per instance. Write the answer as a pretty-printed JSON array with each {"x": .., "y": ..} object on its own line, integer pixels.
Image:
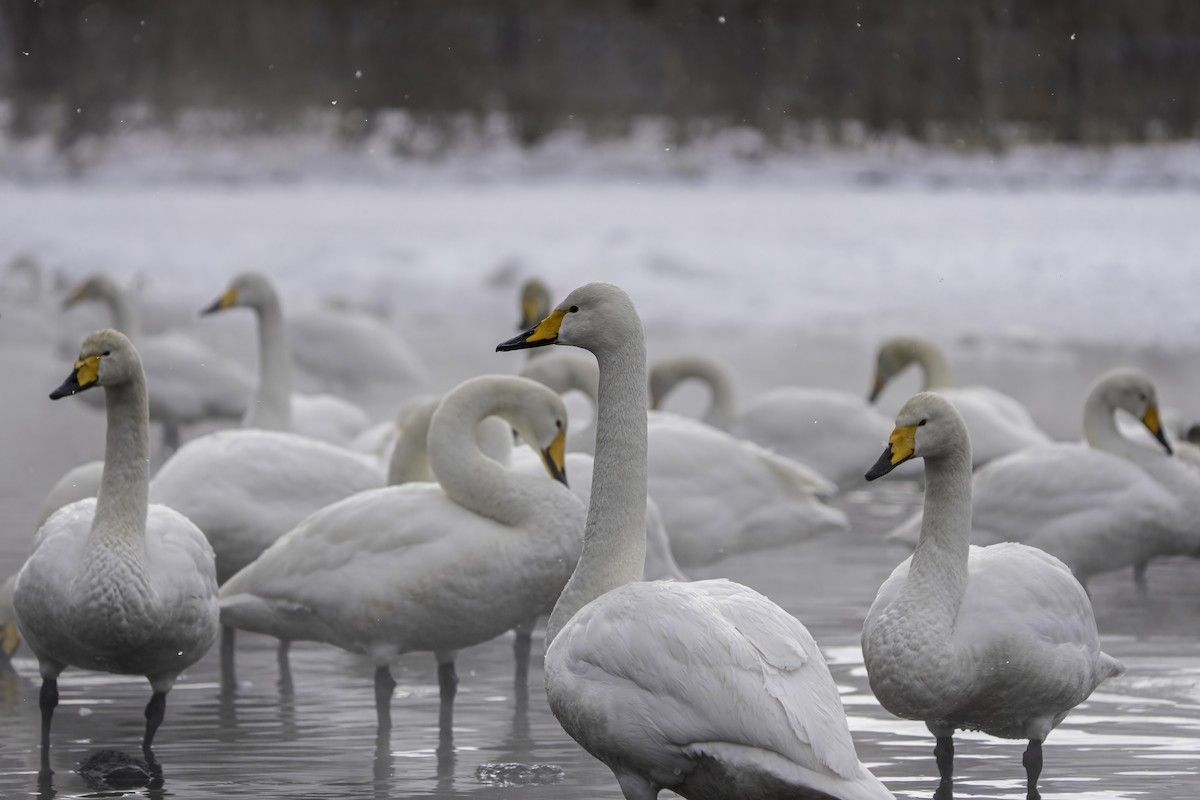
[
  {"x": 425, "y": 567},
  {"x": 275, "y": 407},
  {"x": 756, "y": 500},
  {"x": 113, "y": 583},
  {"x": 999, "y": 639},
  {"x": 708, "y": 688},
  {"x": 828, "y": 430},
  {"x": 1099, "y": 506},
  {"x": 998, "y": 424},
  {"x": 187, "y": 381}
]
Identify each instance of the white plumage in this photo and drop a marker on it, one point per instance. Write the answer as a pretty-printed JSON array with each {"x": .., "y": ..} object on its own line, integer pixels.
[
  {"x": 1000, "y": 639},
  {"x": 707, "y": 689}
]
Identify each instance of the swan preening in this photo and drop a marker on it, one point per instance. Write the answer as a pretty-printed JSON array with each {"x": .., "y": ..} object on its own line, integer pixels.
[
  {"x": 113, "y": 583},
  {"x": 187, "y": 381},
  {"x": 756, "y": 713},
  {"x": 427, "y": 567},
  {"x": 1103, "y": 505},
  {"x": 998, "y": 424},
  {"x": 1000, "y": 639}
]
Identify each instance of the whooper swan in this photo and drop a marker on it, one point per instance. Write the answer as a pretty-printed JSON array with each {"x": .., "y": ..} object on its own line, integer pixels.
[
  {"x": 113, "y": 583},
  {"x": 999, "y": 639},
  {"x": 707, "y": 689}
]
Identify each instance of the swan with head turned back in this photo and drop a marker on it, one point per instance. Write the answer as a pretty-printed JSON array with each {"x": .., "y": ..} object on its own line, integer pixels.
[
  {"x": 828, "y": 430},
  {"x": 274, "y": 406},
  {"x": 427, "y": 567},
  {"x": 999, "y": 639},
  {"x": 188, "y": 382},
  {"x": 755, "y": 500},
  {"x": 114, "y": 583},
  {"x": 707, "y": 689},
  {"x": 1099, "y": 506},
  {"x": 998, "y": 424}
]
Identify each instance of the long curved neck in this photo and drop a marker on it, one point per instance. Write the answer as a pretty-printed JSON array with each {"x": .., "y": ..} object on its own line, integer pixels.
[
  {"x": 272, "y": 405},
  {"x": 124, "y": 315},
  {"x": 410, "y": 458},
  {"x": 614, "y": 539},
  {"x": 720, "y": 384},
  {"x": 1100, "y": 428},
  {"x": 932, "y": 362},
  {"x": 937, "y": 575},
  {"x": 468, "y": 477},
  {"x": 125, "y": 481}
]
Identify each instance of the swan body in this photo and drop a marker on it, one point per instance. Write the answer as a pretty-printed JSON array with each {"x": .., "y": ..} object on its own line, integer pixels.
[
  {"x": 756, "y": 714},
  {"x": 998, "y": 424},
  {"x": 113, "y": 583},
  {"x": 424, "y": 566},
  {"x": 76, "y": 484},
  {"x": 188, "y": 382},
  {"x": 1101, "y": 506},
  {"x": 274, "y": 406},
  {"x": 1000, "y": 639},
  {"x": 756, "y": 500},
  {"x": 351, "y": 350}
]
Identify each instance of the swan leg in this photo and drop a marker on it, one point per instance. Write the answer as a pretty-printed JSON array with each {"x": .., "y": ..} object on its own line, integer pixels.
[
  {"x": 285, "y": 667},
  {"x": 228, "y": 675},
  {"x": 943, "y": 751},
  {"x": 635, "y": 787},
  {"x": 1139, "y": 577},
  {"x": 1032, "y": 760},
  {"x": 522, "y": 647},
  {"x": 447, "y": 689},
  {"x": 47, "y": 701},
  {"x": 385, "y": 684},
  {"x": 156, "y": 709}
]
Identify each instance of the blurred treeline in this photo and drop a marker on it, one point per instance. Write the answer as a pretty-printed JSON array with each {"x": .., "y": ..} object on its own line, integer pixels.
[{"x": 1063, "y": 70}]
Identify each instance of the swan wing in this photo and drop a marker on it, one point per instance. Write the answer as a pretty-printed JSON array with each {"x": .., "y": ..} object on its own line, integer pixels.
[
  {"x": 190, "y": 381},
  {"x": 328, "y": 418}
]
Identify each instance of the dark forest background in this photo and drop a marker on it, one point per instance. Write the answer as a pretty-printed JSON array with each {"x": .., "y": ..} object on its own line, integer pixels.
[{"x": 1060, "y": 70}]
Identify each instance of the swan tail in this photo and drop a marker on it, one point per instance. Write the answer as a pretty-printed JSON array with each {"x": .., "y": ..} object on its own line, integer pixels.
[
  {"x": 280, "y": 619},
  {"x": 1110, "y": 667}
]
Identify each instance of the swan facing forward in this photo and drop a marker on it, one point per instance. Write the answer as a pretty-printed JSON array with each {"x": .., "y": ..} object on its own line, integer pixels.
[
  {"x": 114, "y": 584},
  {"x": 999, "y": 639},
  {"x": 427, "y": 567},
  {"x": 707, "y": 689}
]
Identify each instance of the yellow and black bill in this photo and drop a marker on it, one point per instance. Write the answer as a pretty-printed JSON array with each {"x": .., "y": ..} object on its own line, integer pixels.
[
  {"x": 555, "y": 458},
  {"x": 540, "y": 335},
  {"x": 76, "y": 296},
  {"x": 1153, "y": 424},
  {"x": 85, "y": 375},
  {"x": 901, "y": 447},
  {"x": 226, "y": 300}
]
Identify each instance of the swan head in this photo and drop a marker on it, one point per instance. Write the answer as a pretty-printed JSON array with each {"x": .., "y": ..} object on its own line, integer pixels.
[
  {"x": 1131, "y": 390},
  {"x": 597, "y": 316},
  {"x": 251, "y": 289},
  {"x": 93, "y": 287},
  {"x": 893, "y": 358},
  {"x": 535, "y": 302},
  {"x": 928, "y": 426},
  {"x": 106, "y": 358}
]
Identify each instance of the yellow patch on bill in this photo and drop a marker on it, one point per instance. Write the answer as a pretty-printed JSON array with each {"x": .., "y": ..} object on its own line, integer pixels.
[
  {"x": 556, "y": 454},
  {"x": 228, "y": 299},
  {"x": 1150, "y": 419},
  {"x": 547, "y": 329},
  {"x": 87, "y": 370},
  {"x": 904, "y": 442}
]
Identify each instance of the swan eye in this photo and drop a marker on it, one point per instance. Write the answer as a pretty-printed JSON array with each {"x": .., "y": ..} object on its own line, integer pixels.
[
  {"x": 922, "y": 422},
  {"x": 107, "y": 353},
  {"x": 558, "y": 424},
  {"x": 573, "y": 309}
]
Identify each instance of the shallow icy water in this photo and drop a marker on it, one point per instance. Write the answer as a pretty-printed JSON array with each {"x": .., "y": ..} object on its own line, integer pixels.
[{"x": 1138, "y": 736}]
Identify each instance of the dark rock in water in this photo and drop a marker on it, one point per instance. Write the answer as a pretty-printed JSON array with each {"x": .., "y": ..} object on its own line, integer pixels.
[
  {"x": 110, "y": 769},
  {"x": 518, "y": 774}
]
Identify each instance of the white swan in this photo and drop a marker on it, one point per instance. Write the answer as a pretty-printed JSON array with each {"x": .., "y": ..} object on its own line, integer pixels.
[
  {"x": 187, "y": 381},
  {"x": 1101, "y": 506},
  {"x": 351, "y": 351},
  {"x": 421, "y": 566},
  {"x": 113, "y": 583},
  {"x": 833, "y": 432},
  {"x": 707, "y": 689},
  {"x": 274, "y": 406},
  {"x": 998, "y": 424},
  {"x": 999, "y": 639},
  {"x": 755, "y": 500}
]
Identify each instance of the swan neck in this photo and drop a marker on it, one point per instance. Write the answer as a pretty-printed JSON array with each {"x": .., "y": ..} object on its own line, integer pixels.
[
  {"x": 614, "y": 538},
  {"x": 937, "y": 576},
  {"x": 124, "y": 315},
  {"x": 933, "y": 364},
  {"x": 410, "y": 457},
  {"x": 271, "y": 408},
  {"x": 720, "y": 385},
  {"x": 124, "y": 483},
  {"x": 1100, "y": 428}
]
